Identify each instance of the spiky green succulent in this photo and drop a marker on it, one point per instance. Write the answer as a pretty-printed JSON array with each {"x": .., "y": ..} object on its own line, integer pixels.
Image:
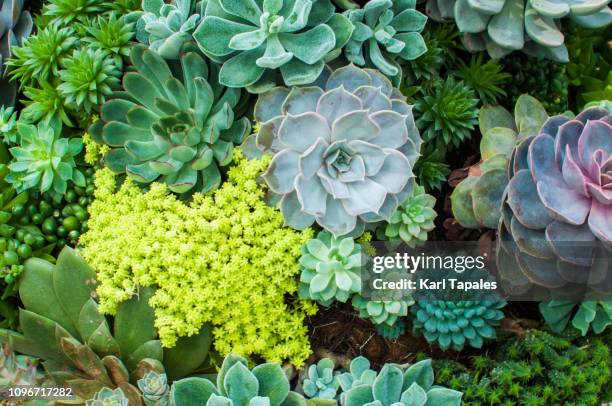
[
  {"x": 447, "y": 113},
  {"x": 66, "y": 12},
  {"x": 387, "y": 33},
  {"x": 45, "y": 161},
  {"x": 109, "y": 397},
  {"x": 321, "y": 382},
  {"x": 485, "y": 78},
  {"x": 595, "y": 315},
  {"x": 88, "y": 78},
  {"x": 413, "y": 219},
  {"x": 453, "y": 324},
  {"x": 431, "y": 169},
  {"x": 476, "y": 201},
  {"x": 343, "y": 152},
  {"x": 176, "y": 129},
  {"x": 166, "y": 26},
  {"x": 16, "y": 24},
  {"x": 112, "y": 35},
  {"x": 330, "y": 268},
  {"x": 236, "y": 384},
  {"x": 8, "y": 123},
  {"x": 503, "y": 26},
  {"x": 40, "y": 56},
  {"x": 46, "y": 104},
  {"x": 402, "y": 385},
  {"x": 154, "y": 388},
  {"x": 254, "y": 39}
]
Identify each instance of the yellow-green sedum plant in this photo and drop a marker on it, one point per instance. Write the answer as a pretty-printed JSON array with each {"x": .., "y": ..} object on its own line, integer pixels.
[{"x": 225, "y": 259}]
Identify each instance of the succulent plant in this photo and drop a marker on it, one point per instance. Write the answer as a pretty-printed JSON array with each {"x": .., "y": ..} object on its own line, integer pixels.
[
  {"x": 476, "y": 201},
  {"x": 167, "y": 26},
  {"x": 15, "y": 25},
  {"x": 485, "y": 78},
  {"x": 40, "y": 56},
  {"x": 431, "y": 169},
  {"x": 45, "y": 161},
  {"x": 590, "y": 314},
  {"x": 386, "y": 34},
  {"x": 402, "y": 386},
  {"x": 391, "y": 332},
  {"x": 62, "y": 325},
  {"x": 331, "y": 269},
  {"x": 65, "y": 12},
  {"x": 254, "y": 38},
  {"x": 343, "y": 153},
  {"x": 321, "y": 382},
  {"x": 112, "y": 35},
  {"x": 8, "y": 123},
  {"x": 109, "y": 397},
  {"x": 18, "y": 369},
  {"x": 88, "y": 78},
  {"x": 386, "y": 312},
  {"x": 559, "y": 192},
  {"x": 413, "y": 219},
  {"x": 452, "y": 324},
  {"x": 503, "y": 26},
  {"x": 446, "y": 112},
  {"x": 266, "y": 384},
  {"x": 176, "y": 130},
  {"x": 45, "y": 104},
  {"x": 359, "y": 373},
  {"x": 154, "y": 388}
]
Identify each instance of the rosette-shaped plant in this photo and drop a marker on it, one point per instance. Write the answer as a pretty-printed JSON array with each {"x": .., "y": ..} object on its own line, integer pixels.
[
  {"x": 15, "y": 25},
  {"x": 167, "y": 26},
  {"x": 321, "y": 381},
  {"x": 112, "y": 35},
  {"x": 503, "y": 26},
  {"x": 400, "y": 385},
  {"x": 45, "y": 161},
  {"x": 254, "y": 37},
  {"x": 558, "y": 204},
  {"x": 413, "y": 219},
  {"x": 155, "y": 389},
  {"x": 174, "y": 129},
  {"x": 109, "y": 397},
  {"x": 343, "y": 154},
  {"x": 386, "y": 312},
  {"x": 266, "y": 384},
  {"x": 359, "y": 373},
  {"x": 476, "y": 201},
  {"x": 452, "y": 324},
  {"x": 386, "y": 31},
  {"x": 330, "y": 269}
]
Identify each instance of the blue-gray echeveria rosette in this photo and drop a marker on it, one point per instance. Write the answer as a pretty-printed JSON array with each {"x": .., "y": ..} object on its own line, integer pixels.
[
  {"x": 343, "y": 151},
  {"x": 386, "y": 33},
  {"x": 254, "y": 38},
  {"x": 167, "y": 26}
]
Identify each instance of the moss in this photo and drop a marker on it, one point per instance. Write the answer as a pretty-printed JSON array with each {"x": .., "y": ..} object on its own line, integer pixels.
[{"x": 224, "y": 258}]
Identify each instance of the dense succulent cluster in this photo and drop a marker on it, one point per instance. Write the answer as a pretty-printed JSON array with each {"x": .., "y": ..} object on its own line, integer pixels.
[
  {"x": 477, "y": 199},
  {"x": 413, "y": 219},
  {"x": 343, "y": 152},
  {"x": 503, "y": 26},
  {"x": 559, "y": 192},
  {"x": 177, "y": 130},
  {"x": 295, "y": 37},
  {"x": 331, "y": 269},
  {"x": 386, "y": 34}
]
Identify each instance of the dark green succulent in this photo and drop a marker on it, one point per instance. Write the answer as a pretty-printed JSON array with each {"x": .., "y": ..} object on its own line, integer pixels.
[
  {"x": 447, "y": 113},
  {"x": 40, "y": 56},
  {"x": 431, "y": 169},
  {"x": 485, "y": 78},
  {"x": 88, "y": 78},
  {"x": 112, "y": 35},
  {"x": 177, "y": 129},
  {"x": 588, "y": 315},
  {"x": 45, "y": 161}
]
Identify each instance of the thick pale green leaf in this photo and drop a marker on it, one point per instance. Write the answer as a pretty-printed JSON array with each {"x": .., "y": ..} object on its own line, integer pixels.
[{"x": 188, "y": 353}]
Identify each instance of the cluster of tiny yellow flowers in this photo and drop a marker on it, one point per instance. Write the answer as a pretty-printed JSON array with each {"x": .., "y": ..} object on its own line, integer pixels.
[
  {"x": 93, "y": 150},
  {"x": 224, "y": 259}
]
